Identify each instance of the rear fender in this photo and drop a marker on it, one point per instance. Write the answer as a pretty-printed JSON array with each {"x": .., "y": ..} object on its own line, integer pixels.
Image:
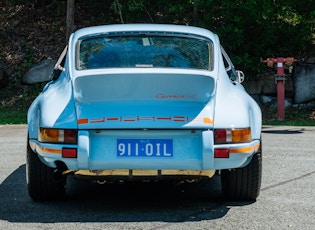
[
  {"x": 235, "y": 108},
  {"x": 53, "y": 108}
]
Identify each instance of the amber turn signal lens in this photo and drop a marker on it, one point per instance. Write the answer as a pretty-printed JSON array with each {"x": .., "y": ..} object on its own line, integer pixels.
[
  {"x": 241, "y": 135},
  {"x": 67, "y": 136}
]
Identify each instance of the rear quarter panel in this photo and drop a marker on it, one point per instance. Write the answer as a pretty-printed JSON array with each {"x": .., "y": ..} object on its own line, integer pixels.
[
  {"x": 54, "y": 107},
  {"x": 235, "y": 108}
]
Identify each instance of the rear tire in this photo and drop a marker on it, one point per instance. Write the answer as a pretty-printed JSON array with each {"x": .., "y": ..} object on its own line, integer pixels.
[
  {"x": 41, "y": 183},
  {"x": 243, "y": 183}
]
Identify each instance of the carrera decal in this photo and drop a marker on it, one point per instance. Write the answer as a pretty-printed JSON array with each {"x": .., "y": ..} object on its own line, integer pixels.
[
  {"x": 112, "y": 119},
  {"x": 205, "y": 120},
  {"x": 83, "y": 121},
  {"x": 164, "y": 118},
  {"x": 180, "y": 119}
]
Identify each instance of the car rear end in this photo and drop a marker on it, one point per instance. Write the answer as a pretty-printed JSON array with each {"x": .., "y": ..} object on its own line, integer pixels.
[{"x": 144, "y": 103}]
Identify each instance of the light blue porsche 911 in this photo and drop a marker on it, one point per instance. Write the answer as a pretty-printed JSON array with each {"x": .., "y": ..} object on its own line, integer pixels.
[{"x": 144, "y": 102}]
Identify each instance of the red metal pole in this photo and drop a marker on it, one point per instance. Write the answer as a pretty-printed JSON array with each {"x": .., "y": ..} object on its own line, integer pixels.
[
  {"x": 280, "y": 88},
  {"x": 280, "y": 79},
  {"x": 280, "y": 99}
]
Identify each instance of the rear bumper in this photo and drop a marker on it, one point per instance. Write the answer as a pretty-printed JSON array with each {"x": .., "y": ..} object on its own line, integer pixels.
[
  {"x": 193, "y": 153},
  {"x": 125, "y": 174}
]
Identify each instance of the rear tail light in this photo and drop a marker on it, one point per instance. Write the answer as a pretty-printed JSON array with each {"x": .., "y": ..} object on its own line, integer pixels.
[
  {"x": 222, "y": 136},
  {"x": 229, "y": 136},
  {"x": 67, "y": 136}
]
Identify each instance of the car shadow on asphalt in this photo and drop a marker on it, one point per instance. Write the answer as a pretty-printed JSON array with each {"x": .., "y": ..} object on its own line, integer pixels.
[
  {"x": 127, "y": 202},
  {"x": 283, "y": 131}
]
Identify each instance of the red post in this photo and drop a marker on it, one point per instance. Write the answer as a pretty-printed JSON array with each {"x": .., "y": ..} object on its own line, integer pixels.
[
  {"x": 280, "y": 79},
  {"x": 280, "y": 98}
]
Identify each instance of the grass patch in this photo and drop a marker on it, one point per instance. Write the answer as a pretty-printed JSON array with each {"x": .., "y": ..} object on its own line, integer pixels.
[
  {"x": 11, "y": 116},
  {"x": 289, "y": 123},
  {"x": 293, "y": 117},
  {"x": 13, "y": 108}
]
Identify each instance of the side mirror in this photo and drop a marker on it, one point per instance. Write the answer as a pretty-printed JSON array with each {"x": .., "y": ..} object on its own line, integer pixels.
[
  {"x": 40, "y": 72},
  {"x": 240, "y": 76}
]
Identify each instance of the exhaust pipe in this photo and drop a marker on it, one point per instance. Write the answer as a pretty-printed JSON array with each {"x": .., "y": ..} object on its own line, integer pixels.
[{"x": 101, "y": 181}]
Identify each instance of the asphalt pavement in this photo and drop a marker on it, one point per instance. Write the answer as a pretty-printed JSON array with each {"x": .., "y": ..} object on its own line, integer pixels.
[{"x": 286, "y": 201}]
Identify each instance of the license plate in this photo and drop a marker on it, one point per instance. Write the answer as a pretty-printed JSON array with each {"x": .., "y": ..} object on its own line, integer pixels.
[{"x": 144, "y": 147}]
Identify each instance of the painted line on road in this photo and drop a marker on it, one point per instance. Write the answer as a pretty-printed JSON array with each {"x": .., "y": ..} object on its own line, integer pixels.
[{"x": 287, "y": 181}]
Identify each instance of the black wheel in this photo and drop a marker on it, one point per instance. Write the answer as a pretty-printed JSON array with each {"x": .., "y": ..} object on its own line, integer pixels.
[
  {"x": 42, "y": 186},
  {"x": 243, "y": 183}
]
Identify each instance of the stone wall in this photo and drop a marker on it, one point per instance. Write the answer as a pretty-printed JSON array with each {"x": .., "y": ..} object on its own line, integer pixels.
[
  {"x": 304, "y": 83},
  {"x": 299, "y": 86}
]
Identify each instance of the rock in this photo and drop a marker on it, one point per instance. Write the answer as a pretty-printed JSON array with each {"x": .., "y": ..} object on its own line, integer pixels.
[
  {"x": 265, "y": 84},
  {"x": 40, "y": 72},
  {"x": 268, "y": 100},
  {"x": 310, "y": 105},
  {"x": 310, "y": 60},
  {"x": 304, "y": 82},
  {"x": 272, "y": 101}
]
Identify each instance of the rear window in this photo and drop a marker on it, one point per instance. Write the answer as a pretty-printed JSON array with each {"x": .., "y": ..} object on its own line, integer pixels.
[{"x": 144, "y": 51}]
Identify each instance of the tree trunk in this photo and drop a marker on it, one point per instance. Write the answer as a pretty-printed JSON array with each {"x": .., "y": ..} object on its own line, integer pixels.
[{"x": 70, "y": 19}]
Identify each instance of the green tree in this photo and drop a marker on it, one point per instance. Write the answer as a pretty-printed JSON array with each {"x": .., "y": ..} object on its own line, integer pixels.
[
  {"x": 249, "y": 29},
  {"x": 256, "y": 29}
]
